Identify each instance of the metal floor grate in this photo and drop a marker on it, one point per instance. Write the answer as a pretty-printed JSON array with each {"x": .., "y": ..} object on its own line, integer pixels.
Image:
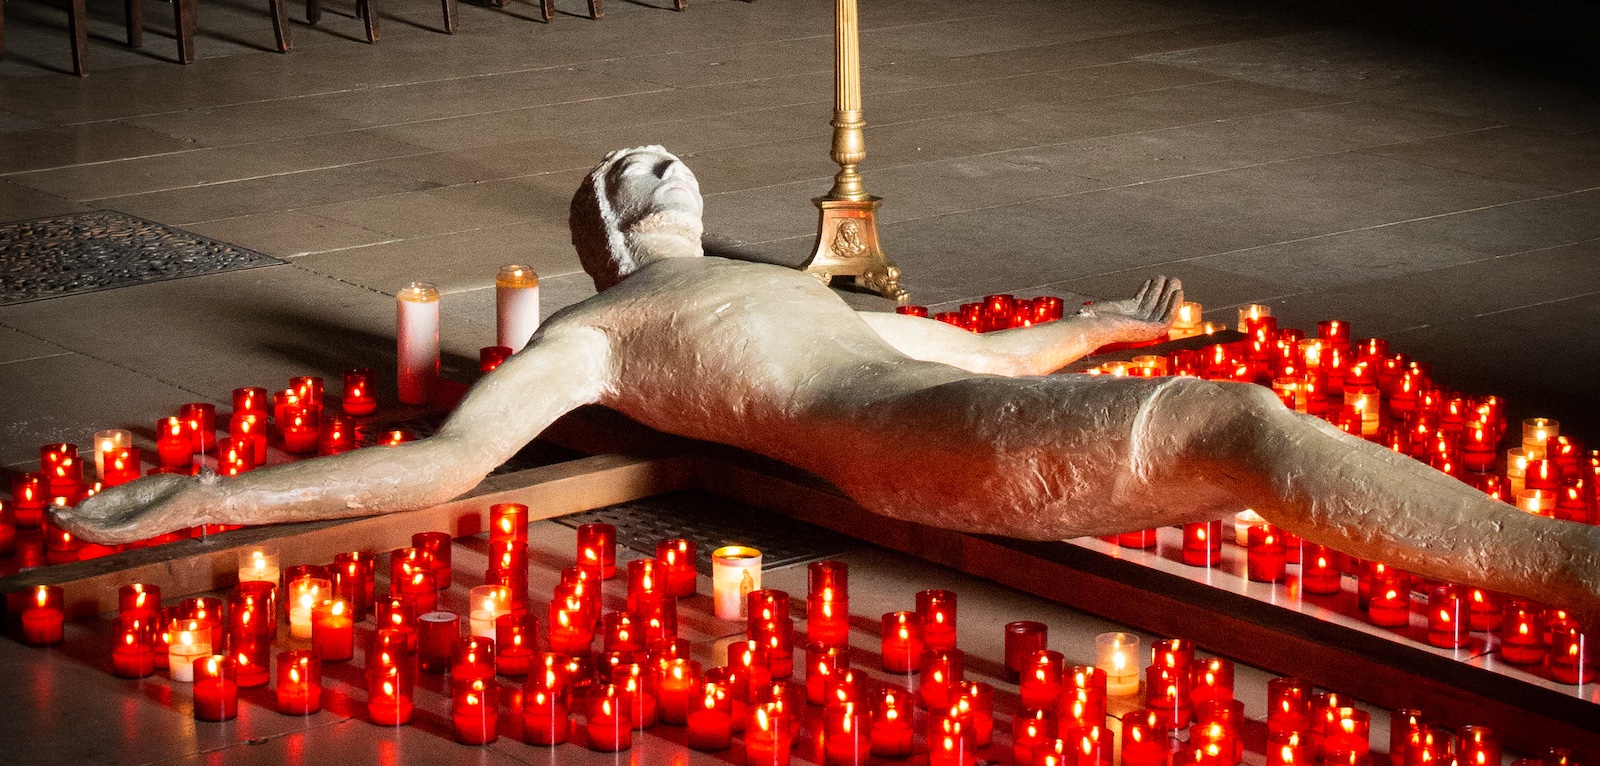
[
  {"x": 711, "y": 522},
  {"x": 102, "y": 250}
]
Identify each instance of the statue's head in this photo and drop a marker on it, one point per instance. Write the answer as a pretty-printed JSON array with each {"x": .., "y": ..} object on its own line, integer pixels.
[{"x": 637, "y": 206}]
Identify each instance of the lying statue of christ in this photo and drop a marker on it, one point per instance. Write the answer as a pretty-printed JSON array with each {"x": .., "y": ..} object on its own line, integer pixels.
[{"x": 912, "y": 418}]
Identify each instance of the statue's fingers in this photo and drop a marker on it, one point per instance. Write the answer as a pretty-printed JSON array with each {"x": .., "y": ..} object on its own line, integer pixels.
[
  {"x": 1144, "y": 289},
  {"x": 1170, "y": 309},
  {"x": 1157, "y": 296}
]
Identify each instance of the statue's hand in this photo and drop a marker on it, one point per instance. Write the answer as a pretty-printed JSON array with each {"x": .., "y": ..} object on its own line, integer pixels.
[
  {"x": 137, "y": 510},
  {"x": 1145, "y": 316}
]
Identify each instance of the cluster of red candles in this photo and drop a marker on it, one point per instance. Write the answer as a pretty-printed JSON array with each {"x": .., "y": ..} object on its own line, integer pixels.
[
  {"x": 1385, "y": 397},
  {"x": 996, "y": 312},
  {"x": 293, "y": 420}
]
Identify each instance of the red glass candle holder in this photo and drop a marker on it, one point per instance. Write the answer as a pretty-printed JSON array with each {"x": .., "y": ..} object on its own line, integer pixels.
[
  {"x": 473, "y": 657},
  {"x": 1030, "y": 730},
  {"x": 619, "y": 633},
  {"x": 252, "y": 659},
  {"x": 122, "y": 466},
  {"x": 1522, "y": 633},
  {"x": 353, "y": 580},
  {"x": 356, "y": 397},
  {"x": 1202, "y": 543},
  {"x": 943, "y": 673},
  {"x": 62, "y": 470},
  {"x": 901, "y": 645},
  {"x": 508, "y": 522},
  {"x": 597, "y": 548},
  {"x": 1389, "y": 604},
  {"x": 546, "y": 719},
  {"x": 645, "y": 584},
  {"x": 251, "y": 399},
  {"x": 938, "y": 611},
  {"x": 491, "y": 357},
  {"x": 678, "y": 684},
  {"x": 1266, "y": 555},
  {"x": 437, "y": 634},
  {"x": 437, "y": 547},
  {"x": 951, "y": 741},
  {"x": 28, "y": 499},
  {"x": 677, "y": 556},
  {"x": 44, "y": 616},
  {"x": 845, "y": 735},
  {"x": 1211, "y": 679},
  {"x": 475, "y": 711},
  {"x": 1023, "y": 638},
  {"x": 822, "y": 662},
  {"x": 399, "y": 614},
  {"x": 134, "y": 653},
  {"x": 299, "y": 687},
  {"x": 200, "y": 422},
  {"x": 1477, "y": 746},
  {"x": 1570, "y": 659},
  {"x": 1448, "y": 617},
  {"x": 1320, "y": 570},
  {"x": 1145, "y": 741},
  {"x": 1288, "y": 704},
  {"x": 711, "y": 719},
  {"x": 1483, "y": 610},
  {"x": 332, "y": 631},
  {"x": 1040, "y": 681},
  {"x": 571, "y": 630},
  {"x": 248, "y": 430},
  {"x": 609, "y": 724},
  {"x": 391, "y": 677},
  {"x": 828, "y": 620},
  {"x": 638, "y": 682},
  {"x": 216, "y": 689},
  {"x": 516, "y": 641},
  {"x": 1348, "y": 739},
  {"x": 892, "y": 732},
  {"x": 138, "y": 598},
  {"x": 335, "y": 434},
  {"x": 1403, "y": 723}
]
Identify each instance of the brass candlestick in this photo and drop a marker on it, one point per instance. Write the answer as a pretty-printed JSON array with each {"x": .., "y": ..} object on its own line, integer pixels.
[{"x": 847, "y": 234}]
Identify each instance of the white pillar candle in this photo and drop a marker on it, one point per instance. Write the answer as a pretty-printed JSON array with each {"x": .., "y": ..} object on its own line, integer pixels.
[
  {"x": 487, "y": 603},
  {"x": 516, "y": 292},
  {"x": 417, "y": 336},
  {"x": 259, "y": 564},
  {"x": 1118, "y": 655},
  {"x": 189, "y": 642},
  {"x": 104, "y": 443},
  {"x": 735, "y": 571}
]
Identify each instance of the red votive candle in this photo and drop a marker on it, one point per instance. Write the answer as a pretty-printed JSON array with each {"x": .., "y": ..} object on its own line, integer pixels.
[
  {"x": 1320, "y": 572},
  {"x": 516, "y": 640},
  {"x": 418, "y": 588},
  {"x": 174, "y": 448},
  {"x": 938, "y": 611},
  {"x": 845, "y": 740},
  {"x": 299, "y": 690},
  {"x": 1266, "y": 555},
  {"x": 134, "y": 654},
  {"x": 1288, "y": 704},
  {"x": 1483, "y": 610},
  {"x": 1023, "y": 638},
  {"x": 335, "y": 434},
  {"x": 491, "y": 357},
  {"x": 1202, "y": 543},
  {"x": 1389, "y": 604},
  {"x": 943, "y": 673},
  {"x": 353, "y": 581},
  {"x": 1448, "y": 618},
  {"x": 1083, "y": 696},
  {"x": 200, "y": 422},
  {"x": 138, "y": 598},
  {"x": 1168, "y": 681},
  {"x": 333, "y": 637},
  {"x": 1144, "y": 739},
  {"x": 915, "y": 311},
  {"x": 822, "y": 661},
  {"x": 475, "y": 711},
  {"x": 391, "y": 677},
  {"x": 844, "y": 685},
  {"x": 711, "y": 720},
  {"x": 545, "y": 718},
  {"x": 216, "y": 689},
  {"x": 901, "y": 646},
  {"x": 122, "y": 466},
  {"x": 1211, "y": 679},
  {"x": 1348, "y": 740},
  {"x": 1522, "y": 633},
  {"x": 436, "y": 548},
  {"x": 645, "y": 584},
  {"x": 508, "y": 522},
  {"x": 677, "y": 555},
  {"x": 400, "y": 614},
  {"x": 1040, "y": 681},
  {"x": 1403, "y": 723},
  {"x": 1031, "y": 729},
  {"x": 571, "y": 632},
  {"x": 437, "y": 633},
  {"x": 1477, "y": 746},
  {"x": 300, "y": 433},
  {"x": 1570, "y": 659},
  {"x": 357, "y": 397},
  {"x": 636, "y": 682},
  {"x": 248, "y": 430},
  {"x": 609, "y": 723},
  {"x": 28, "y": 499},
  {"x": 63, "y": 472},
  {"x": 44, "y": 616},
  {"x": 1290, "y": 748},
  {"x": 252, "y": 399},
  {"x": 891, "y": 723},
  {"x": 597, "y": 548},
  {"x": 950, "y": 740},
  {"x": 473, "y": 657},
  {"x": 619, "y": 633},
  {"x": 252, "y": 659},
  {"x": 678, "y": 683},
  {"x": 977, "y": 702}
]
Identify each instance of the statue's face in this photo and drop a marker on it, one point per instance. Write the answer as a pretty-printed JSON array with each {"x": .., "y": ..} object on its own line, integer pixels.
[{"x": 649, "y": 181}]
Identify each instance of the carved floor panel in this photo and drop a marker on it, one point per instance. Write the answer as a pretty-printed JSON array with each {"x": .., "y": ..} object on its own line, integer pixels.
[{"x": 103, "y": 250}]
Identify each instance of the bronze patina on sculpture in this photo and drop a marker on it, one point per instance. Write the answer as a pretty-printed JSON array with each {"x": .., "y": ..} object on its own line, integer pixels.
[{"x": 911, "y": 417}]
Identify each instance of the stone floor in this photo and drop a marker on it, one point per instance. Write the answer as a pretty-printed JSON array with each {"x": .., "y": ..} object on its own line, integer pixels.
[{"x": 1431, "y": 191}]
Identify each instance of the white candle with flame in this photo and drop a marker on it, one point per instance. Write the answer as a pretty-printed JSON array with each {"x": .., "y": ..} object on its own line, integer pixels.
[
  {"x": 735, "y": 571},
  {"x": 516, "y": 292},
  {"x": 417, "y": 336},
  {"x": 1118, "y": 655}
]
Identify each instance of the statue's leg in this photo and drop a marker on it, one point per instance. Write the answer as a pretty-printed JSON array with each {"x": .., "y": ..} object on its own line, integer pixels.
[{"x": 1335, "y": 489}]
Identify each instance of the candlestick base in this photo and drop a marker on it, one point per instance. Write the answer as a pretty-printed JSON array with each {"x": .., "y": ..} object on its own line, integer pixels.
[{"x": 847, "y": 245}]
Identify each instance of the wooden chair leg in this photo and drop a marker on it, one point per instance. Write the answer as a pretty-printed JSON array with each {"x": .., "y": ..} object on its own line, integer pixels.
[
  {"x": 546, "y": 7},
  {"x": 2, "y": 29},
  {"x": 313, "y": 11},
  {"x": 680, "y": 5},
  {"x": 134, "y": 11},
  {"x": 595, "y": 11},
  {"x": 280, "y": 24},
  {"x": 370, "y": 16},
  {"x": 78, "y": 24},
  {"x": 183, "y": 15},
  {"x": 449, "y": 15}
]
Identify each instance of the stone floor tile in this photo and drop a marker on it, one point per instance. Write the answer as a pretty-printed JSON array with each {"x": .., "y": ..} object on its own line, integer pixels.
[
  {"x": 261, "y": 195},
  {"x": 20, "y": 347},
  {"x": 288, "y": 234},
  {"x": 66, "y": 397},
  {"x": 461, "y": 208},
  {"x": 92, "y": 142},
  {"x": 1338, "y": 260},
  {"x": 20, "y": 203},
  {"x": 1518, "y": 155},
  {"x": 456, "y": 262}
]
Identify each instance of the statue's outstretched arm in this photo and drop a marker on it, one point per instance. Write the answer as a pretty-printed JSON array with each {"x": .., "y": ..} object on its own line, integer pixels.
[
  {"x": 558, "y": 372},
  {"x": 1040, "y": 349}
]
